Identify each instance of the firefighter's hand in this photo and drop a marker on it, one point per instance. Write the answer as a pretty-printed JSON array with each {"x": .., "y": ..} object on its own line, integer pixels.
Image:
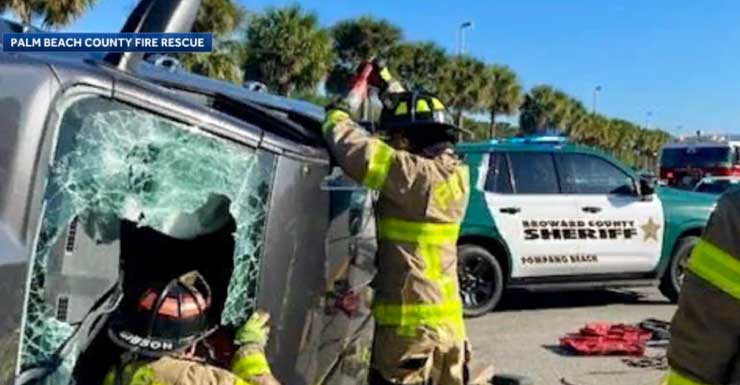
[
  {"x": 255, "y": 330},
  {"x": 380, "y": 77}
]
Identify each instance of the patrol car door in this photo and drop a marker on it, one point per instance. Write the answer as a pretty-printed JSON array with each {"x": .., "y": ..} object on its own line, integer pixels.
[
  {"x": 622, "y": 232},
  {"x": 528, "y": 209}
]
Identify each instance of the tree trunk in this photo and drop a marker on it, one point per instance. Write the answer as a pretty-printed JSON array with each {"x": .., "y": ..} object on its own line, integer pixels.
[
  {"x": 460, "y": 119},
  {"x": 493, "y": 125}
]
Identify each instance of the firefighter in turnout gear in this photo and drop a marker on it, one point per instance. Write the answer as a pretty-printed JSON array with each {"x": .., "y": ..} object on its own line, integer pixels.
[
  {"x": 420, "y": 334},
  {"x": 160, "y": 337},
  {"x": 705, "y": 331}
]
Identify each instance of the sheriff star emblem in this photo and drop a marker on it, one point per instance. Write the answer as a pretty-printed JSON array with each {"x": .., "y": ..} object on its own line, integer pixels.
[{"x": 650, "y": 230}]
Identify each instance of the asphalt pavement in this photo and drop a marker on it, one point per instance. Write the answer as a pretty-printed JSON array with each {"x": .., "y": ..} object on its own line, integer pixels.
[{"x": 522, "y": 336}]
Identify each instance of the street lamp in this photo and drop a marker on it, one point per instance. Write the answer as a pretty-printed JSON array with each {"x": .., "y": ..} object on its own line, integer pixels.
[
  {"x": 597, "y": 89},
  {"x": 647, "y": 119},
  {"x": 461, "y": 36}
]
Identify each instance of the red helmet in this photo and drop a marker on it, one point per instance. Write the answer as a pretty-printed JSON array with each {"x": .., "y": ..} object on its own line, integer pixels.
[{"x": 165, "y": 320}]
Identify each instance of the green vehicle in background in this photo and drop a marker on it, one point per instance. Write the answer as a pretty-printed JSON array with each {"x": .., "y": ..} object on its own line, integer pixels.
[{"x": 545, "y": 214}]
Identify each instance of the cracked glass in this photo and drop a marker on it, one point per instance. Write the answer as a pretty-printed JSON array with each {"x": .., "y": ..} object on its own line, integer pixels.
[{"x": 114, "y": 162}]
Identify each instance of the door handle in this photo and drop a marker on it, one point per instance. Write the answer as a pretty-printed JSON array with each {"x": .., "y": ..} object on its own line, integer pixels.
[
  {"x": 591, "y": 209},
  {"x": 510, "y": 210}
]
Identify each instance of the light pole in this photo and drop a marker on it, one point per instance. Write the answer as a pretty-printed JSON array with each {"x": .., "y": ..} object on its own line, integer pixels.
[
  {"x": 461, "y": 36},
  {"x": 647, "y": 119},
  {"x": 597, "y": 89}
]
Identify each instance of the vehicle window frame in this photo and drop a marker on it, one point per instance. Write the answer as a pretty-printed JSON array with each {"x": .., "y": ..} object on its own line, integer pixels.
[
  {"x": 631, "y": 177},
  {"x": 491, "y": 186},
  {"x": 49, "y": 146},
  {"x": 514, "y": 184}
]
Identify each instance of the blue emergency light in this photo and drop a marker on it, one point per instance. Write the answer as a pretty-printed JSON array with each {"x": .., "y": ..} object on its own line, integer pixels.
[{"x": 539, "y": 139}]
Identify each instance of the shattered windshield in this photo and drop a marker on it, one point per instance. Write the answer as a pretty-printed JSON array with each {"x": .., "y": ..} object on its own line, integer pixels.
[{"x": 117, "y": 166}]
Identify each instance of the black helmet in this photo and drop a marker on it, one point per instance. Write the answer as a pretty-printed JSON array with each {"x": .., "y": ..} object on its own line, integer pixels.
[
  {"x": 419, "y": 116},
  {"x": 165, "y": 320}
]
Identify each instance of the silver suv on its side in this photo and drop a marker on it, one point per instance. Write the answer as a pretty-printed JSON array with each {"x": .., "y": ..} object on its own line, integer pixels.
[{"x": 112, "y": 176}]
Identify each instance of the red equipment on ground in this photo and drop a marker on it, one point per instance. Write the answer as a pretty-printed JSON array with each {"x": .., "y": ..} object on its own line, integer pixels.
[{"x": 607, "y": 339}]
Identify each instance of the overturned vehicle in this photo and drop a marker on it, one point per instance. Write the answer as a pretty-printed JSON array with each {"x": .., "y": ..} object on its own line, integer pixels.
[{"x": 113, "y": 175}]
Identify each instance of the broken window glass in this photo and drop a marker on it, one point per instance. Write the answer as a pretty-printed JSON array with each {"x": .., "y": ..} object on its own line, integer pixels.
[{"x": 116, "y": 164}]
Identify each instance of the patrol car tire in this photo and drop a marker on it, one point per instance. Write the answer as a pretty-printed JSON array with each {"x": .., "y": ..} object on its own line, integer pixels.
[
  {"x": 477, "y": 266},
  {"x": 670, "y": 283}
]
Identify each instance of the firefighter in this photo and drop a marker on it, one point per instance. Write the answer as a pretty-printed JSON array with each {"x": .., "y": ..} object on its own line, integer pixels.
[
  {"x": 420, "y": 334},
  {"x": 705, "y": 331},
  {"x": 160, "y": 337}
]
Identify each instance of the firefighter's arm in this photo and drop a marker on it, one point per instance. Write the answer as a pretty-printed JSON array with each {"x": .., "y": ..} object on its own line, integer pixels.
[
  {"x": 705, "y": 331},
  {"x": 250, "y": 363},
  {"x": 369, "y": 160}
]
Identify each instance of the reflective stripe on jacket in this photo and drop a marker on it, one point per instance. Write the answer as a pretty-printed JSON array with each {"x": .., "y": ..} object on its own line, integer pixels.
[
  {"x": 249, "y": 368},
  {"x": 421, "y": 207},
  {"x": 705, "y": 332}
]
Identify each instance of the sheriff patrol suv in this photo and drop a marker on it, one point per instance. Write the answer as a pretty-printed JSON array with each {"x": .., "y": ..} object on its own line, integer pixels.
[{"x": 547, "y": 214}]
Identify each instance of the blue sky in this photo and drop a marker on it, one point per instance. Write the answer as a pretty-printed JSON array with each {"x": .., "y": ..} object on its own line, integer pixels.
[{"x": 679, "y": 59}]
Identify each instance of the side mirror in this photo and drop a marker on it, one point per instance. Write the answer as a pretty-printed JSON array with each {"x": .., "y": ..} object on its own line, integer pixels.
[{"x": 647, "y": 186}]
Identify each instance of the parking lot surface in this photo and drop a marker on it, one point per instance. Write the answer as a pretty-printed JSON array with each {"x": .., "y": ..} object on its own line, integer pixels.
[{"x": 522, "y": 336}]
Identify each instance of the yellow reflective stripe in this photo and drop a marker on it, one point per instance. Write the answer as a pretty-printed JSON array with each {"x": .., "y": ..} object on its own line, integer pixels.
[
  {"x": 332, "y": 118},
  {"x": 432, "y": 261},
  {"x": 110, "y": 378},
  {"x": 676, "y": 378},
  {"x": 402, "y": 109},
  {"x": 136, "y": 373},
  {"x": 381, "y": 156},
  {"x": 385, "y": 74},
  {"x": 408, "y": 317},
  {"x": 145, "y": 376},
  {"x": 422, "y": 106},
  {"x": 251, "y": 365},
  {"x": 450, "y": 190},
  {"x": 437, "y": 104},
  {"x": 716, "y": 266},
  {"x": 418, "y": 232}
]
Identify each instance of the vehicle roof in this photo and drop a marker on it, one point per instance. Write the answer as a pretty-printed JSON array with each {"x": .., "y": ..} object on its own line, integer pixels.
[
  {"x": 680, "y": 145},
  {"x": 524, "y": 144},
  {"x": 710, "y": 179}
]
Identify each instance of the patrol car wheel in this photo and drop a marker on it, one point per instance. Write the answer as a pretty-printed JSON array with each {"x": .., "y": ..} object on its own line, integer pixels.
[
  {"x": 670, "y": 284},
  {"x": 481, "y": 280}
]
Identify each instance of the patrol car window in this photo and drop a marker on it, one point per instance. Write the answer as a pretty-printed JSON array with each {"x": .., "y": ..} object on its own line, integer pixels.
[
  {"x": 588, "y": 174},
  {"x": 534, "y": 173},
  {"x": 498, "y": 179}
]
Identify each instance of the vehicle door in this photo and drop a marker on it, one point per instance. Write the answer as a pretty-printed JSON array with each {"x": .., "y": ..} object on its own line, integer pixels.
[
  {"x": 523, "y": 195},
  {"x": 621, "y": 231},
  {"x": 346, "y": 333}
]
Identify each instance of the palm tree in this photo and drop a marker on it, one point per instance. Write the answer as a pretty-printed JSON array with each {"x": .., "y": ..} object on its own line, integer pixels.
[
  {"x": 502, "y": 93},
  {"x": 461, "y": 85},
  {"x": 544, "y": 108},
  {"x": 287, "y": 50},
  {"x": 221, "y": 17},
  {"x": 357, "y": 40},
  {"x": 53, "y": 13},
  {"x": 225, "y": 62},
  {"x": 418, "y": 65}
]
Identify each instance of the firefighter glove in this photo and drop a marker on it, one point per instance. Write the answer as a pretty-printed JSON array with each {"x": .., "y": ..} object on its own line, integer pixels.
[{"x": 255, "y": 330}]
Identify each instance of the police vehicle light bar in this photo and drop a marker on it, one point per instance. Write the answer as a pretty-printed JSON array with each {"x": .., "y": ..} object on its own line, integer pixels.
[{"x": 540, "y": 139}]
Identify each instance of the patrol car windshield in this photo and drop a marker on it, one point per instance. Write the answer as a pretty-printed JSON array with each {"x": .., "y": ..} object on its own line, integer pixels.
[{"x": 696, "y": 157}]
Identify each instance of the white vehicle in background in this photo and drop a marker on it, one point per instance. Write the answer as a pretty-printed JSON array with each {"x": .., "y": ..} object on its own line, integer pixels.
[{"x": 717, "y": 184}]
